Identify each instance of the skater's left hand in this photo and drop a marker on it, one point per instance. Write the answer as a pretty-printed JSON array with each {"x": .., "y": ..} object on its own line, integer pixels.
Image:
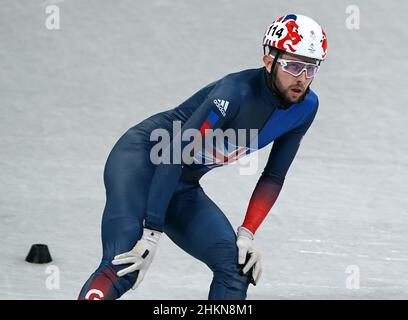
[
  {"x": 248, "y": 256},
  {"x": 140, "y": 256}
]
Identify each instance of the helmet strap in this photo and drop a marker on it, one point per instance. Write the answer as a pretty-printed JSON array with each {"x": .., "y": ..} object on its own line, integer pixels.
[{"x": 272, "y": 85}]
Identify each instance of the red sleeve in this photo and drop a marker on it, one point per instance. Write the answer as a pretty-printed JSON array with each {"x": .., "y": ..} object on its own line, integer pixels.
[
  {"x": 270, "y": 184},
  {"x": 263, "y": 198}
]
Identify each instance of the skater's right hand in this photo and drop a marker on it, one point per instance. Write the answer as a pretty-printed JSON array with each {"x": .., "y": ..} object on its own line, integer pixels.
[
  {"x": 245, "y": 249},
  {"x": 140, "y": 256}
]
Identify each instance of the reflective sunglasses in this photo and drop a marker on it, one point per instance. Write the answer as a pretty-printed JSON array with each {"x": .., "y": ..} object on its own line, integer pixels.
[{"x": 295, "y": 68}]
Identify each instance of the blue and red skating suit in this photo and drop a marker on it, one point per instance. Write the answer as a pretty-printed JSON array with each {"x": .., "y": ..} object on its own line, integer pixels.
[
  {"x": 240, "y": 100},
  {"x": 168, "y": 197}
]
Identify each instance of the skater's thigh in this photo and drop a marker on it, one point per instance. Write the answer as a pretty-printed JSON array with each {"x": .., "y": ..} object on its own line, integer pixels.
[
  {"x": 198, "y": 226},
  {"x": 120, "y": 235},
  {"x": 127, "y": 175}
]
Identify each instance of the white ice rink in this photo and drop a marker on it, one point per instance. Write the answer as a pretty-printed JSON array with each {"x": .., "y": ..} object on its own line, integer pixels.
[{"x": 67, "y": 95}]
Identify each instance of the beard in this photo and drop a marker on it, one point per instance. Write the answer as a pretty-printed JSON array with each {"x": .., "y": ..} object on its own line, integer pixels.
[
  {"x": 286, "y": 96},
  {"x": 293, "y": 94}
]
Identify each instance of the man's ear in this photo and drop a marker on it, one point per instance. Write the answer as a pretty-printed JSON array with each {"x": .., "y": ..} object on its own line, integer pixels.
[{"x": 268, "y": 62}]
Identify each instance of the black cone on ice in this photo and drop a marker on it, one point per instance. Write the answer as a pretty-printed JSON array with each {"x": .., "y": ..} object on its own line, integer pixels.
[{"x": 39, "y": 253}]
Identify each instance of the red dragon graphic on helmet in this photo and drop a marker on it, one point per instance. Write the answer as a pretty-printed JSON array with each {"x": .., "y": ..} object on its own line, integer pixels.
[
  {"x": 292, "y": 37},
  {"x": 324, "y": 44}
]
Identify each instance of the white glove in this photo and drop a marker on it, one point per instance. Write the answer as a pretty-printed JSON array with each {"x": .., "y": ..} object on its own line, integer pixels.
[
  {"x": 245, "y": 248},
  {"x": 140, "y": 256}
]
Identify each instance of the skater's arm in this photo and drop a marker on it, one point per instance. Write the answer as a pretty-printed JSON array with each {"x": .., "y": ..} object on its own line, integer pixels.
[{"x": 271, "y": 181}]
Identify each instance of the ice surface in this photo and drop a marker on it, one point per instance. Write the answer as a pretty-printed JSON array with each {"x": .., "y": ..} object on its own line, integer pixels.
[{"x": 67, "y": 95}]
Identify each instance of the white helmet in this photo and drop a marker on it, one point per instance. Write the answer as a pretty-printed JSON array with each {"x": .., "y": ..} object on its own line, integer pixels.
[{"x": 297, "y": 34}]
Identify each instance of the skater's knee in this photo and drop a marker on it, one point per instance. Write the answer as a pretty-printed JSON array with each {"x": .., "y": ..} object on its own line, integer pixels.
[
  {"x": 223, "y": 257},
  {"x": 228, "y": 281},
  {"x": 105, "y": 284},
  {"x": 123, "y": 283}
]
